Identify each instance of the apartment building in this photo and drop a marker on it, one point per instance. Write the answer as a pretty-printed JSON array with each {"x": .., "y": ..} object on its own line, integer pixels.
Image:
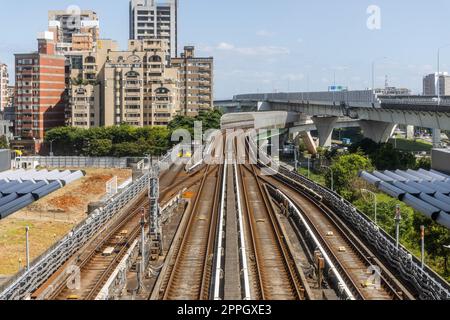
[
  {"x": 150, "y": 19},
  {"x": 432, "y": 81},
  {"x": 140, "y": 90},
  {"x": 39, "y": 94},
  {"x": 4, "y": 85},
  {"x": 196, "y": 81},
  {"x": 74, "y": 30},
  {"x": 86, "y": 86}
]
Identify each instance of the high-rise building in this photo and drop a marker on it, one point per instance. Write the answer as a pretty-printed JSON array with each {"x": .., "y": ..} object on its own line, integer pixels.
[
  {"x": 112, "y": 87},
  {"x": 4, "y": 84},
  {"x": 39, "y": 93},
  {"x": 86, "y": 86},
  {"x": 150, "y": 19},
  {"x": 74, "y": 29},
  {"x": 140, "y": 90},
  {"x": 196, "y": 81},
  {"x": 431, "y": 82}
]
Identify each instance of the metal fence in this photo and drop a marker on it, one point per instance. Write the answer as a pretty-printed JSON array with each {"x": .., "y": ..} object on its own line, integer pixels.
[{"x": 79, "y": 162}]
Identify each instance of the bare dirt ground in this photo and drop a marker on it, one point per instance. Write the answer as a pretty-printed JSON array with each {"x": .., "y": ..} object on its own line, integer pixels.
[{"x": 51, "y": 218}]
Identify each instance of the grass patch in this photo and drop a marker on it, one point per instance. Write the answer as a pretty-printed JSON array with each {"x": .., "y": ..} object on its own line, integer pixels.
[
  {"x": 318, "y": 178},
  {"x": 411, "y": 145}
]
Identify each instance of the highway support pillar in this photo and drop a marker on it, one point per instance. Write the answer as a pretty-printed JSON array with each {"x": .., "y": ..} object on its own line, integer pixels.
[
  {"x": 307, "y": 139},
  {"x": 378, "y": 131},
  {"x": 409, "y": 132},
  {"x": 325, "y": 127},
  {"x": 436, "y": 138}
]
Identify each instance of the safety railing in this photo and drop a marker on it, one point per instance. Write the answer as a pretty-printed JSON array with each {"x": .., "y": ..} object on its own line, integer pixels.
[
  {"x": 427, "y": 282},
  {"x": 78, "y": 162}
]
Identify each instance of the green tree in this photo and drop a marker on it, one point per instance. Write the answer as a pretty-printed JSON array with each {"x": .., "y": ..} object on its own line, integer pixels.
[
  {"x": 436, "y": 237},
  {"x": 345, "y": 170},
  {"x": 423, "y": 163},
  {"x": 100, "y": 148},
  {"x": 127, "y": 149},
  {"x": 4, "y": 143}
]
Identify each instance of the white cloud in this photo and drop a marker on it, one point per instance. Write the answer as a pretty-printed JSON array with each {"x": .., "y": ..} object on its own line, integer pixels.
[
  {"x": 248, "y": 51},
  {"x": 225, "y": 46},
  {"x": 293, "y": 77},
  {"x": 265, "y": 33}
]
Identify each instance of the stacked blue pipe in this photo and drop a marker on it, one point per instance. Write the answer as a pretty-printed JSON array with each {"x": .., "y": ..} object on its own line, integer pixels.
[
  {"x": 425, "y": 191},
  {"x": 20, "y": 188}
]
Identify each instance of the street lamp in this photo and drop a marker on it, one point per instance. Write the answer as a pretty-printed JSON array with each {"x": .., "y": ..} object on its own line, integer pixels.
[
  {"x": 438, "y": 87},
  {"x": 51, "y": 148},
  {"x": 332, "y": 177},
  {"x": 397, "y": 219},
  {"x": 422, "y": 245},
  {"x": 373, "y": 194}
]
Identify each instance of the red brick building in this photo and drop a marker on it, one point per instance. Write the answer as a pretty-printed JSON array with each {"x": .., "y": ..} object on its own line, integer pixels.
[{"x": 40, "y": 97}]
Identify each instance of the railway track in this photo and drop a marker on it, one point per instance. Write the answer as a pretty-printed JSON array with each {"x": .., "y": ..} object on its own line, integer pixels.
[
  {"x": 189, "y": 278},
  {"x": 95, "y": 266},
  {"x": 274, "y": 273},
  {"x": 354, "y": 261}
]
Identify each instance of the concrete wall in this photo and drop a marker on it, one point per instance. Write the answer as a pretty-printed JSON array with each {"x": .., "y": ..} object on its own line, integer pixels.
[
  {"x": 5, "y": 160},
  {"x": 440, "y": 159}
]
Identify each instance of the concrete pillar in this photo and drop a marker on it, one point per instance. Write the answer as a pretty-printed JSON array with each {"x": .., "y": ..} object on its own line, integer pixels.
[
  {"x": 436, "y": 138},
  {"x": 409, "y": 132},
  {"x": 307, "y": 139},
  {"x": 378, "y": 131},
  {"x": 325, "y": 126}
]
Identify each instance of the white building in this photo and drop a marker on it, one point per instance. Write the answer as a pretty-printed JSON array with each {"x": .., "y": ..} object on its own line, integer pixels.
[
  {"x": 430, "y": 84},
  {"x": 4, "y": 83},
  {"x": 150, "y": 19}
]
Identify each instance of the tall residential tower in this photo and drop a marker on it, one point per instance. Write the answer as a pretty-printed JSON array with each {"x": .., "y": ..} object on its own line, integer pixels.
[
  {"x": 196, "y": 81},
  {"x": 39, "y": 94},
  {"x": 150, "y": 19},
  {"x": 4, "y": 84},
  {"x": 74, "y": 29}
]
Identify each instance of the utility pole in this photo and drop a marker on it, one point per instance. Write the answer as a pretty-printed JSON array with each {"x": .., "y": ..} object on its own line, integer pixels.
[
  {"x": 422, "y": 238},
  {"x": 154, "y": 224},
  {"x": 398, "y": 219},
  {"x": 27, "y": 247},
  {"x": 295, "y": 159},
  {"x": 142, "y": 267}
]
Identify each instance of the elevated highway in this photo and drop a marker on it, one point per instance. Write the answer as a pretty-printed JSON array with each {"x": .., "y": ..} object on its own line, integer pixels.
[{"x": 378, "y": 115}]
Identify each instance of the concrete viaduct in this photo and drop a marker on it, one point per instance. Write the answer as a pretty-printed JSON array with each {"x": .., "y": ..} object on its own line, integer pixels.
[{"x": 378, "y": 116}]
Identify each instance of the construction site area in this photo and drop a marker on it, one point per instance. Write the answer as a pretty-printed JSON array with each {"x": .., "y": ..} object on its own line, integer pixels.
[{"x": 51, "y": 218}]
